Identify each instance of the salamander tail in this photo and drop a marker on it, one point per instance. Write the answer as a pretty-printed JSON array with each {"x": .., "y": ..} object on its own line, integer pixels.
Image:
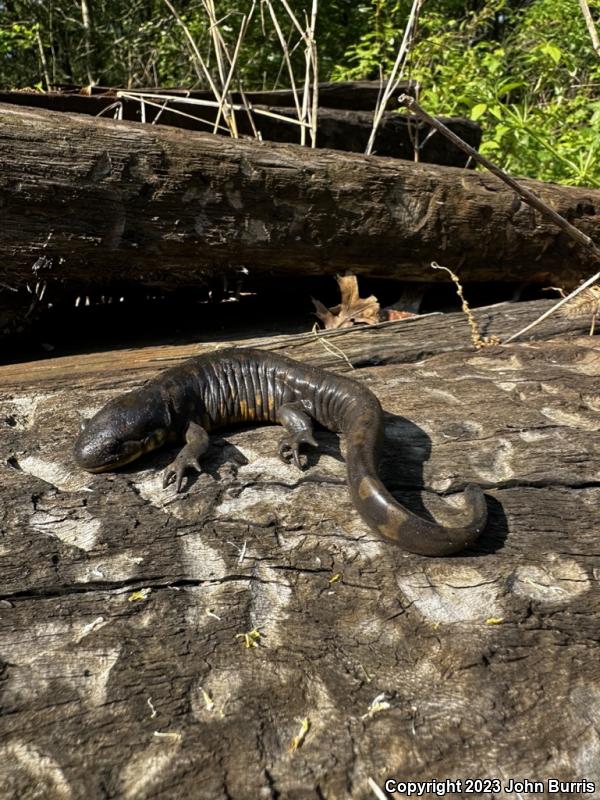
[{"x": 387, "y": 517}]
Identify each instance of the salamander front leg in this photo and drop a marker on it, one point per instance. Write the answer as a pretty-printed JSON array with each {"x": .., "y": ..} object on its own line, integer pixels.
[
  {"x": 196, "y": 444},
  {"x": 298, "y": 427}
]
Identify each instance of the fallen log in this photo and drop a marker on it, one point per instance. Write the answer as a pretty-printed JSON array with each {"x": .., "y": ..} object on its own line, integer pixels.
[
  {"x": 98, "y": 200},
  {"x": 123, "y": 606},
  {"x": 398, "y": 136},
  {"x": 350, "y": 95}
]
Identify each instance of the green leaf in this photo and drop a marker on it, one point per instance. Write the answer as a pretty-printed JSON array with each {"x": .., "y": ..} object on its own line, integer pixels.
[
  {"x": 551, "y": 50},
  {"x": 478, "y": 111}
]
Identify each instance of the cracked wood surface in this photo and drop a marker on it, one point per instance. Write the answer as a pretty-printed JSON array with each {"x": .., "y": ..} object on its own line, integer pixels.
[
  {"x": 488, "y": 660},
  {"x": 107, "y": 201}
]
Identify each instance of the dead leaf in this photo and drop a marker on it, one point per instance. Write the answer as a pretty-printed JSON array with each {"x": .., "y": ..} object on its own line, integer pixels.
[
  {"x": 392, "y": 314},
  {"x": 352, "y": 310}
]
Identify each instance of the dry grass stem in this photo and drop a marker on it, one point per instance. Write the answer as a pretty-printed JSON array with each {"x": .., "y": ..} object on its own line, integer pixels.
[
  {"x": 219, "y": 50},
  {"x": 476, "y": 338},
  {"x": 397, "y": 71},
  {"x": 208, "y": 103},
  {"x": 43, "y": 60},
  {"x": 286, "y": 57},
  {"x": 587, "y": 302},
  {"x": 309, "y": 109},
  {"x": 332, "y": 349},
  {"x": 585, "y": 285},
  {"x": 589, "y": 21},
  {"x": 199, "y": 64},
  {"x": 233, "y": 59},
  {"x": 161, "y": 106}
]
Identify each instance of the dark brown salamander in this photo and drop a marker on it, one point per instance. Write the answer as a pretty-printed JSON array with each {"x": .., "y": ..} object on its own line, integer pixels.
[{"x": 243, "y": 385}]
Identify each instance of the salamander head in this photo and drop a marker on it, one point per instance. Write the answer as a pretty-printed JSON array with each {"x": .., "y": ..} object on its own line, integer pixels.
[{"x": 122, "y": 431}]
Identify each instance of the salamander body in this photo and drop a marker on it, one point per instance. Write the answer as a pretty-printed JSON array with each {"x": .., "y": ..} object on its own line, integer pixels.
[{"x": 187, "y": 402}]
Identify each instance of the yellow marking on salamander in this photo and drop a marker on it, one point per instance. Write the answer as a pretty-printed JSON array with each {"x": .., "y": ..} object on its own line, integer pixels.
[{"x": 366, "y": 487}]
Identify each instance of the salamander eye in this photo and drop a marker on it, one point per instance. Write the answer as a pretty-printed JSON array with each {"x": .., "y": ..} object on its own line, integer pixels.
[
  {"x": 154, "y": 440},
  {"x": 130, "y": 449}
]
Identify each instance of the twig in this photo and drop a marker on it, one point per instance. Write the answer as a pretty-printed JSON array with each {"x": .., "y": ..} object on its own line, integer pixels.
[
  {"x": 526, "y": 194},
  {"x": 589, "y": 21},
  {"x": 397, "y": 70},
  {"x": 377, "y": 791}
]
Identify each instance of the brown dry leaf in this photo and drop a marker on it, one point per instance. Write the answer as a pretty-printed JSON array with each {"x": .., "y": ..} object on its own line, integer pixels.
[
  {"x": 352, "y": 310},
  {"x": 391, "y": 314}
]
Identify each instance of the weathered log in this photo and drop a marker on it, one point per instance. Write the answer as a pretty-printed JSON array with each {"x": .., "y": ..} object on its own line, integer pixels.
[
  {"x": 399, "y": 136},
  {"x": 351, "y": 95},
  {"x": 101, "y": 200},
  {"x": 112, "y": 690}
]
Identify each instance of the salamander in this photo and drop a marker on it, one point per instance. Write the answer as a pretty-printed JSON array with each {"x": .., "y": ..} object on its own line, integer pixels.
[{"x": 188, "y": 401}]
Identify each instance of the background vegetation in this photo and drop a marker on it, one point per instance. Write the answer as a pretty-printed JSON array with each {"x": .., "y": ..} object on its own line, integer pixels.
[{"x": 526, "y": 69}]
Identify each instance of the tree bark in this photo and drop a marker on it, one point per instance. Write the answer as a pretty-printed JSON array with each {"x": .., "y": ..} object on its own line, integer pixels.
[
  {"x": 398, "y": 136},
  {"x": 101, "y": 201},
  {"x": 349, "y": 95},
  {"x": 123, "y": 606}
]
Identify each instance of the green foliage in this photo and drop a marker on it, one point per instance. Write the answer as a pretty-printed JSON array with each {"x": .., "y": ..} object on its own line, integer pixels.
[
  {"x": 17, "y": 42},
  {"x": 525, "y": 70}
]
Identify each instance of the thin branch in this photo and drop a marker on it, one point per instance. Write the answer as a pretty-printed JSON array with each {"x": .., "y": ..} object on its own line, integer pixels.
[
  {"x": 589, "y": 21},
  {"x": 397, "y": 71}
]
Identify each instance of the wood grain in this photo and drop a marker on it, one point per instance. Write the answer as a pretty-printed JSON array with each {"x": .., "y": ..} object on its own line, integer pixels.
[{"x": 488, "y": 660}]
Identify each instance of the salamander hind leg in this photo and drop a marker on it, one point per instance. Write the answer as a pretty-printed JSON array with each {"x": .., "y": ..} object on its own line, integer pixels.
[
  {"x": 299, "y": 430},
  {"x": 196, "y": 444}
]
